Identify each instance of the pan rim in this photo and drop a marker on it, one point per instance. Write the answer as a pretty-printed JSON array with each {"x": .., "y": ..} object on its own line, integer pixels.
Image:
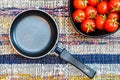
[{"x": 55, "y": 44}]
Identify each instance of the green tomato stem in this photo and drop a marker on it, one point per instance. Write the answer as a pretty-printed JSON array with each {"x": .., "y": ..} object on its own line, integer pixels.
[
  {"x": 105, "y": 16},
  {"x": 114, "y": 20},
  {"x": 89, "y": 27},
  {"x": 85, "y": 2},
  {"x": 77, "y": 18},
  {"x": 115, "y": 9},
  {"x": 92, "y": 16}
]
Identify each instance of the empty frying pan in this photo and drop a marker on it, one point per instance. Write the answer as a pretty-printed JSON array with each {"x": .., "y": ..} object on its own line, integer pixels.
[{"x": 34, "y": 33}]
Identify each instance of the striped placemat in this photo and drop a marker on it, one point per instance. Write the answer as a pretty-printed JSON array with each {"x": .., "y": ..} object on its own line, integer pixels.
[{"x": 101, "y": 54}]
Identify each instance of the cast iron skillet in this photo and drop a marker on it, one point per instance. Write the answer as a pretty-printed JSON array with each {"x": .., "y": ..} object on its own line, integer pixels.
[
  {"x": 34, "y": 33},
  {"x": 96, "y": 34}
]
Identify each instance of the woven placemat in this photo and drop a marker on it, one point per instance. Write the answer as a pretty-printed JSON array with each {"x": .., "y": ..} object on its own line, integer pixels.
[{"x": 101, "y": 54}]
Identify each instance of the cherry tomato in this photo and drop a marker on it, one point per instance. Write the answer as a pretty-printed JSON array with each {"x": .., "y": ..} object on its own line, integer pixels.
[
  {"x": 113, "y": 16},
  {"x": 88, "y": 25},
  {"x": 81, "y": 4},
  {"x": 91, "y": 12},
  {"x": 99, "y": 22},
  {"x": 111, "y": 25},
  {"x": 102, "y": 7},
  {"x": 92, "y": 2},
  {"x": 78, "y": 15},
  {"x": 114, "y": 5}
]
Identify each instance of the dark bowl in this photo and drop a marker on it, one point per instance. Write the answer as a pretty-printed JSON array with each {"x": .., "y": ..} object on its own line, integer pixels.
[{"x": 95, "y": 34}]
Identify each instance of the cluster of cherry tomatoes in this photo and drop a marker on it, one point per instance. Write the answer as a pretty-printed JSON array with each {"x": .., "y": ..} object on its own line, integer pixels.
[{"x": 97, "y": 14}]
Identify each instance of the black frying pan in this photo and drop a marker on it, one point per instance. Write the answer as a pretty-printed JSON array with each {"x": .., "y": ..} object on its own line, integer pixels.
[{"x": 34, "y": 33}]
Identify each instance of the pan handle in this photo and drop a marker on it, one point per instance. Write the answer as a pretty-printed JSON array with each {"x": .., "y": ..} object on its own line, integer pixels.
[{"x": 65, "y": 55}]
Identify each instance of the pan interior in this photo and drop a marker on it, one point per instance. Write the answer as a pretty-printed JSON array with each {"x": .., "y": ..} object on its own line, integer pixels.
[{"x": 33, "y": 34}]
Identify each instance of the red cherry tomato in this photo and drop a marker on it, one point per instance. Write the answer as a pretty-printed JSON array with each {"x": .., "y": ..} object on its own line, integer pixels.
[
  {"x": 114, "y": 5},
  {"x": 113, "y": 16},
  {"x": 102, "y": 7},
  {"x": 88, "y": 25},
  {"x": 78, "y": 15},
  {"x": 91, "y": 12},
  {"x": 92, "y": 2},
  {"x": 81, "y": 4},
  {"x": 111, "y": 25},
  {"x": 99, "y": 22}
]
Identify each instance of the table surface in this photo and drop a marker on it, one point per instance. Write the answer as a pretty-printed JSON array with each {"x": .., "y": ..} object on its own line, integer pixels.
[{"x": 101, "y": 54}]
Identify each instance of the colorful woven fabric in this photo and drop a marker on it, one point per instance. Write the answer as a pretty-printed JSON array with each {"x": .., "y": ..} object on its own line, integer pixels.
[{"x": 101, "y": 54}]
